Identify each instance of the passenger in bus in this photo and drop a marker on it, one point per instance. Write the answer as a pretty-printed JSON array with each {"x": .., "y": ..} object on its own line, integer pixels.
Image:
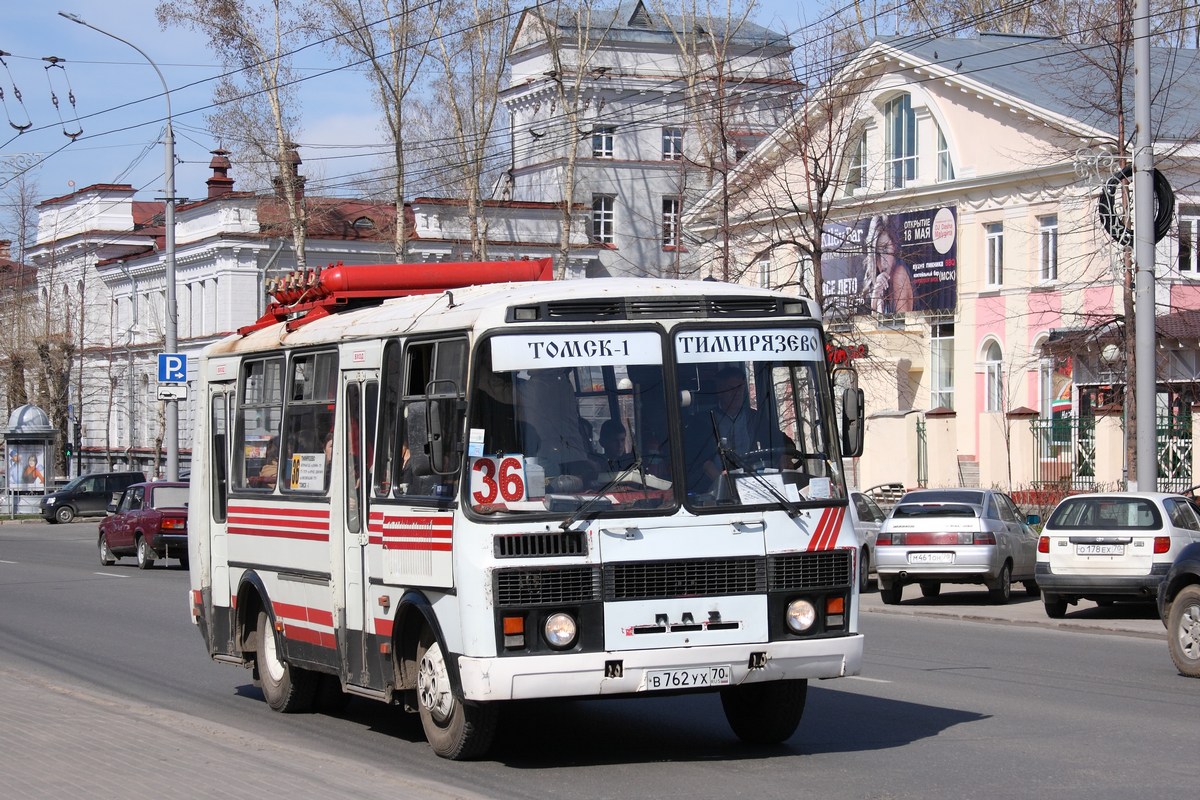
[
  {"x": 613, "y": 441},
  {"x": 548, "y": 404},
  {"x": 268, "y": 473}
]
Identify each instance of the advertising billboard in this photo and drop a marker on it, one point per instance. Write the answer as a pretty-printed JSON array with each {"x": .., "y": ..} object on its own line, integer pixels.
[{"x": 892, "y": 263}]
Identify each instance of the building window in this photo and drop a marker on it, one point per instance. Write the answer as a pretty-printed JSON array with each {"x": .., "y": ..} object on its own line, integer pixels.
[
  {"x": 941, "y": 357},
  {"x": 602, "y": 142},
  {"x": 670, "y": 222},
  {"x": 994, "y": 378},
  {"x": 1189, "y": 239},
  {"x": 1048, "y": 247},
  {"x": 945, "y": 165},
  {"x": 672, "y": 144},
  {"x": 603, "y": 216},
  {"x": 856, "y": 174},
  {"x": 764, "y": 273},
  {"x": 995, "y": 253},
  {"x": 901, "y": 141}
]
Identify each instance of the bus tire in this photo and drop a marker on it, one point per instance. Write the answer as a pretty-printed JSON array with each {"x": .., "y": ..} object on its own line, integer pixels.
[
  {"x": 765, "y": 713},
  {"x": 454, "y": 729},
  {"x": 287, "y": 689}
]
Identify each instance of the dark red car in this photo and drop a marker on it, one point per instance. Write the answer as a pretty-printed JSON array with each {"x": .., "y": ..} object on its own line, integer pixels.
[{"x": 149, "y": 522}]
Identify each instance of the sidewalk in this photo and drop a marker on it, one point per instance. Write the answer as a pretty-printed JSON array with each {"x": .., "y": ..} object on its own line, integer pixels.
[
  {"x": 61, "y": 741},
  {"x": 971, "y": 604}
]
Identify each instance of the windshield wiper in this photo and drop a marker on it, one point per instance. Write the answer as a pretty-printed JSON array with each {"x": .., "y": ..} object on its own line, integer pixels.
[
  {"x": 578, "y": 513},
  {"x": 728, "y": 456}
]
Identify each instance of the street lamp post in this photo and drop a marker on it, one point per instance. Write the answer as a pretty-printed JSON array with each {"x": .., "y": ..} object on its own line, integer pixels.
[{"x": 171, "y": 344}]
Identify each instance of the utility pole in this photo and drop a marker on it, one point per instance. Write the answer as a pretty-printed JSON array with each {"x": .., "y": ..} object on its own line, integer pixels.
[
  {"x": 171, "y": 343},
  {"x": 1145, "y": 386}
]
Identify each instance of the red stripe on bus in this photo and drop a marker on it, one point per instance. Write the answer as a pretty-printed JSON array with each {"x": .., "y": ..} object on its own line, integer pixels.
[
  {"x": 316, "y": 616},
  {"x": 282, "y": 534},
  {"x": 279, "y": 522},
  {"x": 299, "y": 633},
  {"x": 294, "y": 511},
  {"x": 443, "y": 547}
]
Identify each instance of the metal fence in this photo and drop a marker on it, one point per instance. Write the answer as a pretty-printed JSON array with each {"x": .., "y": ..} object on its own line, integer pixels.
[
  {"x": 922, "y": 455},
  {"x": 1174, "y": 440},
  {"x": 1065, "y": 453}
]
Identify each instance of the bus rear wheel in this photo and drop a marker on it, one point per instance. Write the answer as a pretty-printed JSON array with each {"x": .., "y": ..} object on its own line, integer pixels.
[
  {"x": 286, "y": 688},
  {"x": 765, "y": 713},
  {"x": 455, "y": 730}
]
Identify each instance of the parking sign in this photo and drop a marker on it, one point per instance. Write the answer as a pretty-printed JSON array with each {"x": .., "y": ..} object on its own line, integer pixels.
[{"x": 172, "y": 368}]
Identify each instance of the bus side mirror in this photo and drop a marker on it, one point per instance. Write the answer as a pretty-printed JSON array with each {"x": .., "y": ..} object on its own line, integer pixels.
[{"x": 853, "y": 405}]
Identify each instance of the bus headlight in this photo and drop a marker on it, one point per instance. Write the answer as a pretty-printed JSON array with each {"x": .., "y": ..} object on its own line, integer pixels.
[
  {"x": 559, "y": 630},
  {"x": 801, "y": 615}
]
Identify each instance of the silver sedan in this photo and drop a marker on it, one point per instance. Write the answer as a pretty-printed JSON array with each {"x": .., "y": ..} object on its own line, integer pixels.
[{"x": 936, "y": 536}]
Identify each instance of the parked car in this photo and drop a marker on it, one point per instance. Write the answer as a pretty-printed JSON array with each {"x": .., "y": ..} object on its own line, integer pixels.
[
  {"x": 1179, "y": 609},
  {"x": 1111, "y": 546},
  {"x": 867, "y": 517},
  {"x": 937, "y": 536},
  {"x": 86, "y": 496},
  {"x": 148, "y": 522}
]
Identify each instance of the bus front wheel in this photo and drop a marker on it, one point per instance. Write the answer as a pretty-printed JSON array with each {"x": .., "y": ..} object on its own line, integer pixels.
[
  {"x": 286, "y": 688},
  {"x": 765, "y": 713},
  {"x": 455, "y": 730}
]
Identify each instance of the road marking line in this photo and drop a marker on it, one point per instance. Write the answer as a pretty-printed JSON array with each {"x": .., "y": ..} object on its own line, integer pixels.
[
  {"x": 110, "y": 574},
  {"x": 868, "y": 680},
  {"x": 2, "y": 561}
]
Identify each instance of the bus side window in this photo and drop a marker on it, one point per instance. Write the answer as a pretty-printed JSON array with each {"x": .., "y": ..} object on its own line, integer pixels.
[
  {"x": 436, "y": 372},
  {"x": 388, "y": 429},
  {"x": 260, "y": 410},
  {"x": 308, "y": 422}
]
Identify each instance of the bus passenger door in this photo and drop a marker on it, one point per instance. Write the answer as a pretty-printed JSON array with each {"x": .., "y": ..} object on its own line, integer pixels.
[
  {"x": 220, "y": 405},
  {"x": 360, "y": 395}
]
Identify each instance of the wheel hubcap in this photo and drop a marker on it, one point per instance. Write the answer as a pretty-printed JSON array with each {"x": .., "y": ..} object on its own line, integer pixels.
[
  {"x": 1189, "y": 632},
  {"x": 270, "y": 657},
  {"x": 433, "y": 684}
]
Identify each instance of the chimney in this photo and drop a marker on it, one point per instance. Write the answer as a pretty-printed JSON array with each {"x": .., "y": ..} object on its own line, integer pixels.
[
  {"x": 220, "y": 183},
  {"x": 294, "y": 163}
]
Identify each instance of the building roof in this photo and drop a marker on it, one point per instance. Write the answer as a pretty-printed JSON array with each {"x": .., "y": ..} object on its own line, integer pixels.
[{"x": 1068, "y": 79}]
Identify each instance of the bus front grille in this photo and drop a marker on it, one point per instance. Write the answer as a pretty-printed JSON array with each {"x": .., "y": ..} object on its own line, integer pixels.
[
  {"x": 650, "y": 580},
  {"x": 520, "y": 588},
  {"x": 818, "y": 570}
]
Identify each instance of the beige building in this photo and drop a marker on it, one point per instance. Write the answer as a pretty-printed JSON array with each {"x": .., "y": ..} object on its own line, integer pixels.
[{"x": 963, "y": 265}]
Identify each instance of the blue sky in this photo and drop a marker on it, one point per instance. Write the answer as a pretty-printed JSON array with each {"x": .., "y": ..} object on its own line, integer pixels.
[{"x": 120, "y": 108}]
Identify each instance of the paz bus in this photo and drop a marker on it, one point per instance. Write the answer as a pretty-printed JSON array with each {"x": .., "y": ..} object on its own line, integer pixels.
[{"x": 447, "y": 486}]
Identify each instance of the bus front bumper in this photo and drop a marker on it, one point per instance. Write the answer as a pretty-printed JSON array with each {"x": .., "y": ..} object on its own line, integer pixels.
[{"x": 633, "y": 672}]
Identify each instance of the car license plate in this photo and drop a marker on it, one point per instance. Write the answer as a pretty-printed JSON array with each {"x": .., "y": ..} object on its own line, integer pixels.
[
  {"x": 694, "y": 678},
  {"x": 1099, "y": 549},
  {"x": 931, "y": 558}
]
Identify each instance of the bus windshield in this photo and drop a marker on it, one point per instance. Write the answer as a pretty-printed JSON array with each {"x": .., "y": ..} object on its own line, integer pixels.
[
  {"x": 566, "y": 420},
  {"x": 756, "y": 418}
]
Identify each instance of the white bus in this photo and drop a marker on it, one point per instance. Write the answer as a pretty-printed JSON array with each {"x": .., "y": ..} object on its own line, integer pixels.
[{"x": 494, "y": 486}]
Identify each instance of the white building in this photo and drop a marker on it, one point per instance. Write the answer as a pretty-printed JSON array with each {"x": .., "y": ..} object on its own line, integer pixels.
[
  {"x": 634, "y": 98},
  {"x": 102, "y": 246}
]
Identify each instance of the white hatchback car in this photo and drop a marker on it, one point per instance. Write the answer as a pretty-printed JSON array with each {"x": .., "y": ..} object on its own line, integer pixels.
[{"x": 1111, "y": 546}]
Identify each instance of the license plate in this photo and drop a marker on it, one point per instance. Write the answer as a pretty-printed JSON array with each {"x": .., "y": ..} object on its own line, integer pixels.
[
  {"x": 931, "y": 558},
  {"x": 1099, "y": 549},
  {"x": 695, "y": 678}
]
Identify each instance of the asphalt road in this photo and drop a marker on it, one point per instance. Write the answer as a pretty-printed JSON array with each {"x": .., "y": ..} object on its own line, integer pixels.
[{"x": 957, "y": 699}]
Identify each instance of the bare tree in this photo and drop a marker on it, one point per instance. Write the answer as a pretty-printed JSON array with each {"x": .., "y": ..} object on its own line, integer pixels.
[
  {"x": 471, "y": 37},
  {"x": 393, "y": 37},
  {"x": 256, "y": 105}
]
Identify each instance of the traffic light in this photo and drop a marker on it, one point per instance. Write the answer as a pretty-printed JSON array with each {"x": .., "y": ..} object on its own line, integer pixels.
[{"x": 70, "y": 450}]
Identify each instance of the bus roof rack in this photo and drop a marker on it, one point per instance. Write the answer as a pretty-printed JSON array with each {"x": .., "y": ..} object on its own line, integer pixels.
[{"x": 302, "y": 296}]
